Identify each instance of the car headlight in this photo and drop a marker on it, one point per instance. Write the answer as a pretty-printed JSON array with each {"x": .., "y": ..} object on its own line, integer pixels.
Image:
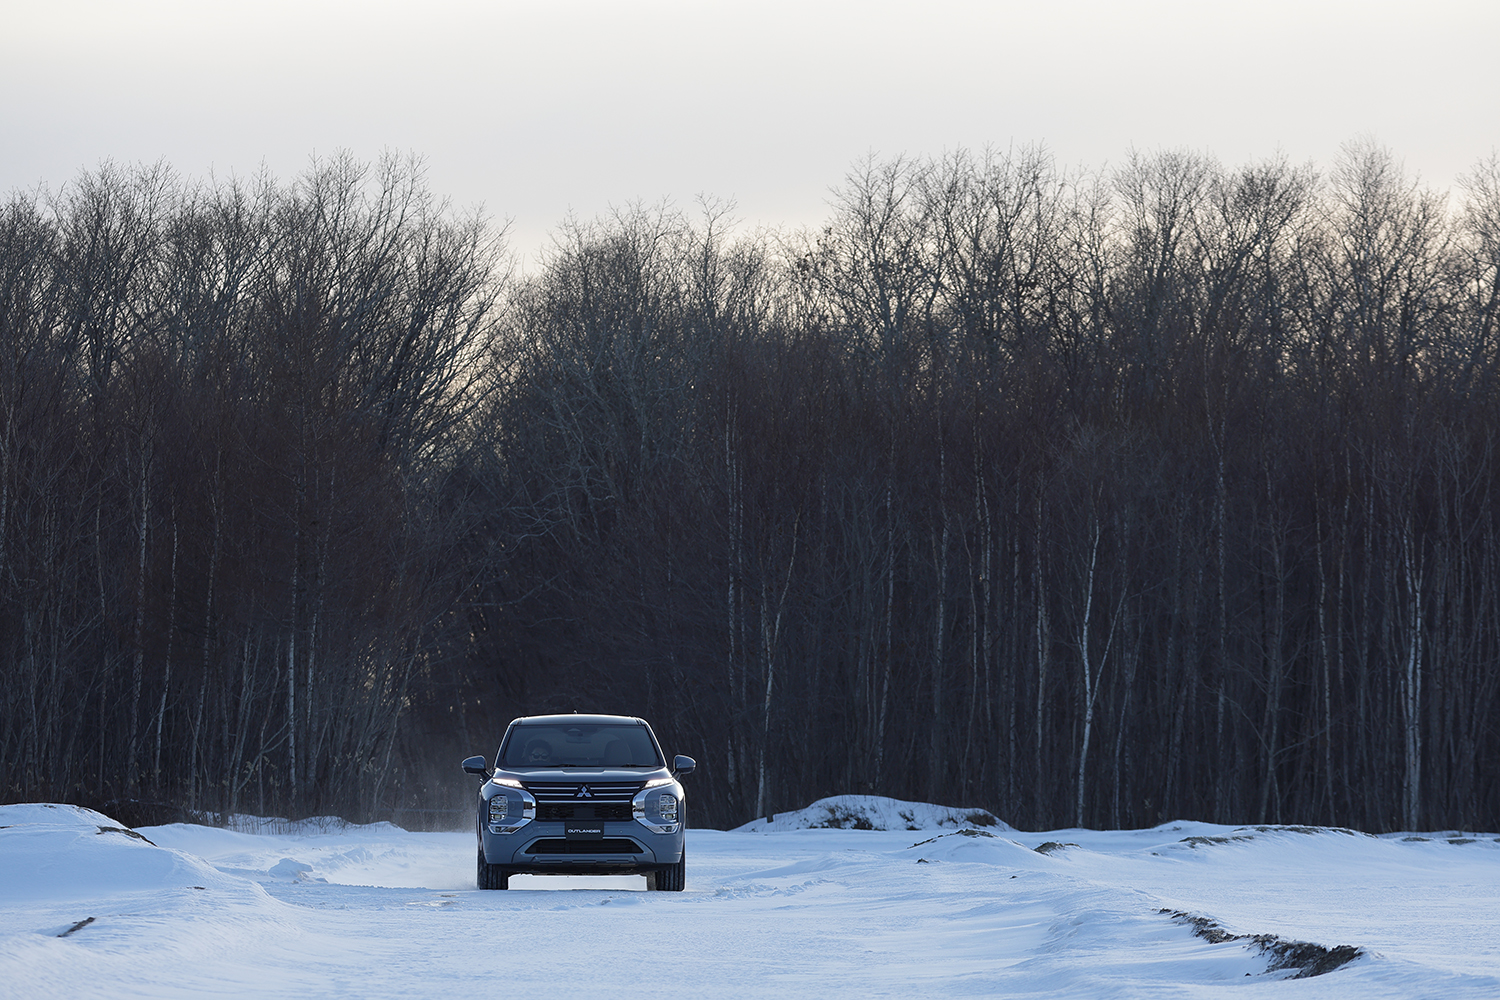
[
  {"x": 510, "y": 808},
  {"x": 657, "y": 807}
]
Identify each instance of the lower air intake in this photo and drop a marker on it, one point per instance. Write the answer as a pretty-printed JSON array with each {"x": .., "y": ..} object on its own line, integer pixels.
[{"x": 609, "y": 845}]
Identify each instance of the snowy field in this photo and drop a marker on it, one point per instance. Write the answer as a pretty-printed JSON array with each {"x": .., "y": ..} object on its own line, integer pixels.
[{"x": 950, "y": 909}]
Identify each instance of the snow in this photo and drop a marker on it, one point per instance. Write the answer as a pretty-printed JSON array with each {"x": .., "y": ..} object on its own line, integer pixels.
[
  {"x": 874, "y": 812},
  {"x": 790, "y": 907}
]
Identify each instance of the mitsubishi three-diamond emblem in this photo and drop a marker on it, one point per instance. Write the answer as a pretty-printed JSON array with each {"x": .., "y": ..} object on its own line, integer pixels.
[{"x": 583, "y": 792}]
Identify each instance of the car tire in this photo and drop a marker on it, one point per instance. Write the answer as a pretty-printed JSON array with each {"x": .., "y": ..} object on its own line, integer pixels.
[
  {"x": 491, "y": 876},
  {"x": 673, "y": 879}
]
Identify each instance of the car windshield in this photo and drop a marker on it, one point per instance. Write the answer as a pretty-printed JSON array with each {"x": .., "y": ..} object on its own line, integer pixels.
[{"x": 579, "y": 746}]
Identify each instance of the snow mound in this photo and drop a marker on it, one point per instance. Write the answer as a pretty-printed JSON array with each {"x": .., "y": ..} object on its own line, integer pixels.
[
  {"x": 51, "y": 814},
  {"x": 971, "y": 845},
  {"x": 371, "y": 854},
  {"x": 54, "y": 852},
  {"x": 874, "y": 812}
]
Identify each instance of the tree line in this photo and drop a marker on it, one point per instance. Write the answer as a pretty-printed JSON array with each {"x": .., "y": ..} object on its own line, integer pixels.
[{"x": 1089, "y": 498}]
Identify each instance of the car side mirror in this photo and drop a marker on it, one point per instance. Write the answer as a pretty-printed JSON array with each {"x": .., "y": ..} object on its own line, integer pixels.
[
  {"x": 683, "y": 765},
  {"x": 476, "y": 765}
]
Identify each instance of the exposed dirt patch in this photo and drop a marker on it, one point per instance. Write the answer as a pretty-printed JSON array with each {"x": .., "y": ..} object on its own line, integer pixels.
[
  {"x": 955, "y": 833},
  {"x": 1307, "y": 958},
  {"x": 1306, "y": 831},
  {"x": 1310, "y": 830},
  {"x": 78, "y": 926},
  {"x": 121, "y": 829},
  {"x": 1196, "y": 842},
  {"x": 1052, "y": 847},
  {"x": 840, "y": 818}
]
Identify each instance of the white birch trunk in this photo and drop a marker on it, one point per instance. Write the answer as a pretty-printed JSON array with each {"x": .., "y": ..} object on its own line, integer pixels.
[
  {"x": 138, "y": 661},
  {"x": 1411, "y": 685},
  {"x": 769, "y": 638},
  {"x": 1088, "y": 686}
]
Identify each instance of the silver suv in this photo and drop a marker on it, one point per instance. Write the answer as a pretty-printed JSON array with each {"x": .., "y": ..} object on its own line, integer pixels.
[{"x": 581, "y": 794}]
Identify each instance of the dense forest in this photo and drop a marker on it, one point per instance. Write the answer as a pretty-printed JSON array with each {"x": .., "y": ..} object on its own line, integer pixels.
[{"x": 1171, "y": 491}]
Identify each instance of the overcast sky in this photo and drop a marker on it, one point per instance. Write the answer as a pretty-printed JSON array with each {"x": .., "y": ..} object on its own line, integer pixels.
[{"x": 536, "y": 108}]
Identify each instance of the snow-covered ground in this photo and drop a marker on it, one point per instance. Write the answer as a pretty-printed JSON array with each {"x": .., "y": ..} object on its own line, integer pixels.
[{"x": 958, "y": 906}]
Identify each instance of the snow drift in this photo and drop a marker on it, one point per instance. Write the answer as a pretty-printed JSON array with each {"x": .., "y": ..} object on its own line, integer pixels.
[
  {"x": 56, "y": 852},
  {"x": 873, "y": 812}
]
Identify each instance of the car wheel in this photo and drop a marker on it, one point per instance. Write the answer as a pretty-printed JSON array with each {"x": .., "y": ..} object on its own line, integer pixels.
[
  {"x": 672, "y": 879},
  {"x": 491, "y": 876}
]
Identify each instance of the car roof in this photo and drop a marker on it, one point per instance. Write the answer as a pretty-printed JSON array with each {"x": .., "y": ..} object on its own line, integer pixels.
[{"x": 576, "y": 719}]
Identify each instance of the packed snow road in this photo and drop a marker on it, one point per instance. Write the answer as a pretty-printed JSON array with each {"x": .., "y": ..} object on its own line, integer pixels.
[{"x": 326, "y": 910}]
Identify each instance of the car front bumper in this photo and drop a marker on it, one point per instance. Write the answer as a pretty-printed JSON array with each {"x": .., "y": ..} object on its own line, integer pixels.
[{"x": 545, "y": 846}]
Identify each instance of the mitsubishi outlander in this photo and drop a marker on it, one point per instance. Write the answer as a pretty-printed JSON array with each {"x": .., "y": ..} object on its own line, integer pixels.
[{"x": 581, "y": 794}]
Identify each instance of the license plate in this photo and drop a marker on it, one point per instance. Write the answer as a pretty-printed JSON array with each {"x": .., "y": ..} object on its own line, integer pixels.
[{"x": 584, "y": 831}]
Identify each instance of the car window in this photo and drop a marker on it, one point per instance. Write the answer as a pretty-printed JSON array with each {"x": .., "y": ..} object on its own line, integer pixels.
[{"x": 579, "y": 746}]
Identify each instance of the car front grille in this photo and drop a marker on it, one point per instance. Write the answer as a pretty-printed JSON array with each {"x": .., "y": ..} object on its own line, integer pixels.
[
  {"x": 608, "y": 845},
  {"x": 584, "y": 792},
  {"x": 566, "y": 810}
]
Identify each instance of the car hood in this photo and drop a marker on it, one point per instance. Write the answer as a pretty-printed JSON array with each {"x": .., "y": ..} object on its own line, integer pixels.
[{"x": 583, "y": 775}]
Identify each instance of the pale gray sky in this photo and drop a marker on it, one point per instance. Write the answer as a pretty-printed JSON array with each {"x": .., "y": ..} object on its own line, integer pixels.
[{"x": 537, "y": 108}]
